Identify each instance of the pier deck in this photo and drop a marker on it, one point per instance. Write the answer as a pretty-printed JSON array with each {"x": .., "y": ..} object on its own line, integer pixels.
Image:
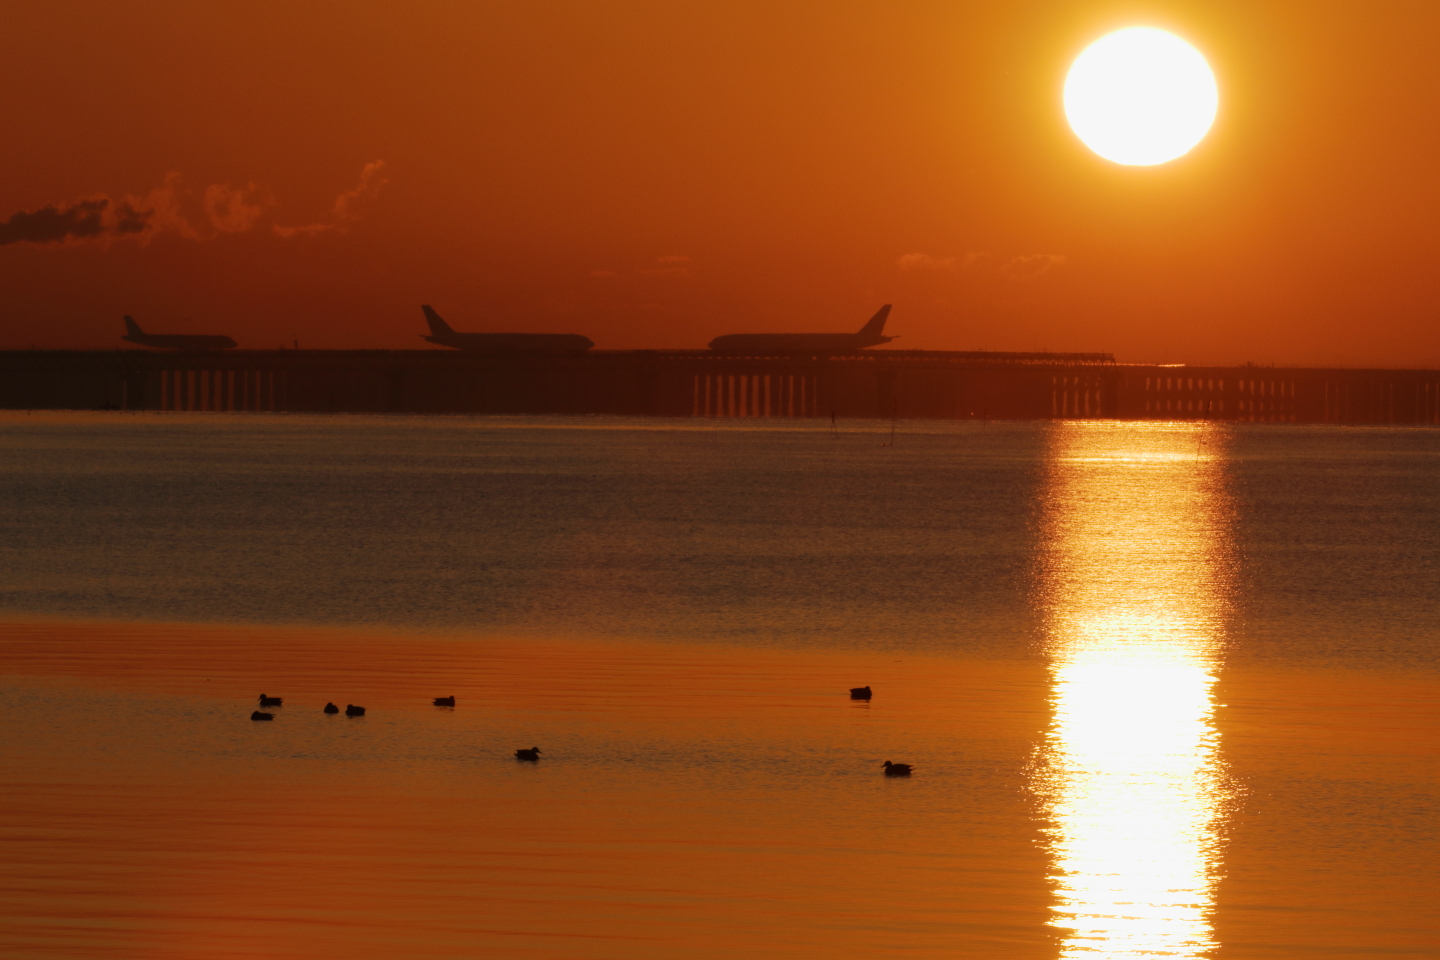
[{"x": 683, "y": 383}]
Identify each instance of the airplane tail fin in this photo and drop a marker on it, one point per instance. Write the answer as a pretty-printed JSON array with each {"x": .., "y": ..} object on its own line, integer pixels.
[
  {"x": 876, "y": 325},
  {"x": 438, "y": 326},
  {"x": 132, "y": 328}
]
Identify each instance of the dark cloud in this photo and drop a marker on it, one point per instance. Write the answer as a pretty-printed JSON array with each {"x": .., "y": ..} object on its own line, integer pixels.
[
  {"x": 100, "y": 219},
  {"x": 173, "y": 209},
  {"x": 129, "y": 220},
  {"x": 82, "y": 220}
]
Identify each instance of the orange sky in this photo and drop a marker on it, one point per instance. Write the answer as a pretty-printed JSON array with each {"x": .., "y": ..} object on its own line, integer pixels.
[{"x": 653, "y": 174}]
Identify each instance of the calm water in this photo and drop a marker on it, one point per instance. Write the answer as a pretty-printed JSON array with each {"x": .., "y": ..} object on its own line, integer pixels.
[{"x": 1169, "y": 688}]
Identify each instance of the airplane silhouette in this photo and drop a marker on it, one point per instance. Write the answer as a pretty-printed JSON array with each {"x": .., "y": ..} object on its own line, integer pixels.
[
  {"x": 868, "y": 336},
  {"x": 441, "y": 333},
  {"x": 175, "y": 341}
]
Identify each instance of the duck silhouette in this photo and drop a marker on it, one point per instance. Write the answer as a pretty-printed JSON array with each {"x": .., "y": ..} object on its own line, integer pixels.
[
  {"x": 270, "y": 701},
  {"x": 353, "y": 711},
  {"x": 860, "y": 693},
  {"x": 532, "y": 754},
  {"x": 445, "y": 701},
  {"x": 257, "y": 715},
  {"x": 897, "y": 769},
  {"x": 331, "y": 708}
]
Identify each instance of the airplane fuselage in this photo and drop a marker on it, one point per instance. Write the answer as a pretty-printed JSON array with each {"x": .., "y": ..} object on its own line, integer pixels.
[
  {"x": 442, "y": 334},
  {"x": 514, "y": 342},
  {"x": 870, "y": 335},
  {"x": 794, "y": 342},
  {"x": 181, "y": 341}
]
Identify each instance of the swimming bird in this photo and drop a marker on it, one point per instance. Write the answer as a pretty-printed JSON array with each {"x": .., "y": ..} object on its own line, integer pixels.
[
  {"x": 445, "y": 701},
  {"x": 353, "y": 711},
  {"x": 532, "y": 754},
  {"x": 270, "y": 701},
  {"x": 331, "y": 708},
  {"x": 897, "y": 769},
  {"x": 257, "y": 715},
  {"x": 859, "y": 693}
]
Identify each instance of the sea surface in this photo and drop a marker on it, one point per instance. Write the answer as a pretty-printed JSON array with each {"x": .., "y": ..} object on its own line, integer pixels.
[{"x": 1169, "y": 689}]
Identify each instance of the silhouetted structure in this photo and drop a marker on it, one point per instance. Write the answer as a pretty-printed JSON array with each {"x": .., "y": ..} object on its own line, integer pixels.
[
  {"x": 869, "y": 335},
  {"x": 175, "y": 341},
  {"x": 442, "y": 334},
  {"x": 909, "y": 384}
]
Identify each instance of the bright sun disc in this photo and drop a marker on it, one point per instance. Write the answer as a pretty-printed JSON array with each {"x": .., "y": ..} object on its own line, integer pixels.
[{"x": 1140, "y": 96}]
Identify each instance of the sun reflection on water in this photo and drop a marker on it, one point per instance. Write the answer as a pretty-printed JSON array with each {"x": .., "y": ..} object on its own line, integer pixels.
[{"x": 1134, "y": 585}]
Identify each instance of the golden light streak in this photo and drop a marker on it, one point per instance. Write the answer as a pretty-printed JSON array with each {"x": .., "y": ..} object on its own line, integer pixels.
[{"x": 1134, "y": 583}]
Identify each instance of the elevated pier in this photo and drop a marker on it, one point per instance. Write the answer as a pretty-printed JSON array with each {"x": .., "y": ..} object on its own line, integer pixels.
[{"x": 699, "y": 383}]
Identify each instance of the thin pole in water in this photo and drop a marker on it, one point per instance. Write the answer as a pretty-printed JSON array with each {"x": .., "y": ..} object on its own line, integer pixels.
[{"x": 1200, "y": 437}]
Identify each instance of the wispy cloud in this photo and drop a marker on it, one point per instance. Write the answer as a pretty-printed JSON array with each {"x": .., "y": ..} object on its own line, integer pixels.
[
  {"x": 346, "y": 209},
  {"x": 173, "y": 209},
  {"x": 1028, "y": 266},
  {"x": 671, "y": 265},
  {"x": 163, "y": 211},
  {"x": 911, "y": 262},
  {"x": 924, "y": 262},
  {"x": 231, "y": 209},
  {"x": 99, "y": 218}
]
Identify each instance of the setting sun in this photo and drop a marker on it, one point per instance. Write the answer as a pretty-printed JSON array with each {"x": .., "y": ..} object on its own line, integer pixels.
[{"x": 1140, "y": 97}]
